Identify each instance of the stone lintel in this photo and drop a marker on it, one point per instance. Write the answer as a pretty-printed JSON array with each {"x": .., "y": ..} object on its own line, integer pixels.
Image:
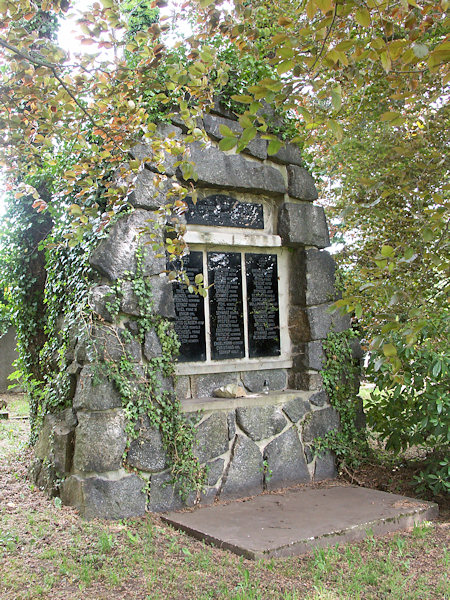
[{"x": 303, "y": 224}]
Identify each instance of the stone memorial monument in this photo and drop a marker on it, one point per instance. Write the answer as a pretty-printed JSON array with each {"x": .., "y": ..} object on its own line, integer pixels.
[{"x": 257, "y": 238}]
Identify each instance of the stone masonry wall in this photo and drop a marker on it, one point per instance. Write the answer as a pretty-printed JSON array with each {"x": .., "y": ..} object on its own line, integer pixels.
[{"x": 249, "y": 444}]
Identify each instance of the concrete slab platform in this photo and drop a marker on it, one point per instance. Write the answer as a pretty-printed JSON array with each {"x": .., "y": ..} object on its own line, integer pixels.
[{"x": 297, "y": 520}]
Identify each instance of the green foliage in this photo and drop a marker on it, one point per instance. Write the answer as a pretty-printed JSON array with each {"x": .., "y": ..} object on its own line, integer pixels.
[
  {"x": 340, "y": 375},
  {"x": 415, "y": 411}
]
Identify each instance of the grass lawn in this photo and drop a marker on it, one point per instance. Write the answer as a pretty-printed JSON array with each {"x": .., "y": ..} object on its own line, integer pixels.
[{"x": 47, "y": 551}]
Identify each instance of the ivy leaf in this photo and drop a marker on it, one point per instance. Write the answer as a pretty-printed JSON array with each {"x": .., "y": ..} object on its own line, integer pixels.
[
  {"x": 273, "y": 147},
  {"x": 362, "y": 17},
  {"x": 336, "y": 98},
  {"x": 227, "y": 143},
  {"x": 389, "y": 350},
  {"x": 336, "y": 129}
]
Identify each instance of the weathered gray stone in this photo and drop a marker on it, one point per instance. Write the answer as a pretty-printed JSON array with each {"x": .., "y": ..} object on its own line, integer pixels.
[
  {"x": 98, "y": 497},
  {"x": 215, "y": 470},
  {"x": 288, "y": 154},
  {"x": 296, "y": 409},
  {"x": 202, "y": 386},
  {"x": 319, "y": 399},
  {"x": 162, "y": 301},
  {"x": 56, "y": 440},
  {"x": 45, "y": 477},
  {"x": 245, "y": 473},
  {"x": 254, "y": 380},
  {"x": 156, "y": 157},
  {"x": 212, "y": 437},
  {"x": 257, "y": 147},
  {"x": 100, "y": 440},
  {"x": 285, "y": 461},
  {"x": 320, "y": 423},
  {"x": 219, "y": 109},
  {"x": 112, "y": 343},
  {"x": 314, "y": 323},
  {"x": 261, "y": 422},
  {"x": 303, "y": 225},
  {"x": 152, "y": 345},
  {"x": 215, "y": 168},
  {"x": 231, "y": 419},
  {"x": 165, "y": 495},
  {"x": 100, "y": 299},
  {"x": 325, "y": 467},
  {"x": 116, "y": 254},
  {"x": 357, "y": 351},
  {"x": 312, "y": 277},
  {"x": 149, "y": 191},
  {"x": 301, "y": 184},
  {"x": 308, "y": 380},
  {"x": 309, "y": 456},
  {"x": 309, "y": 356},
  {"x": 147, "y": 452},
  {"x": 182, "y": 387},
  {"x": 95, "y": 392}
]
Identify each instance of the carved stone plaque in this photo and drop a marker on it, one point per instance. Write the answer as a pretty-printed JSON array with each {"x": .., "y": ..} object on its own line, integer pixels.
[
  {"x": 190, "y": 314},
  {"x": 262, "y": 303},
  {"x": 224, "y": 211},
  {"x": 225, "y": 305}
]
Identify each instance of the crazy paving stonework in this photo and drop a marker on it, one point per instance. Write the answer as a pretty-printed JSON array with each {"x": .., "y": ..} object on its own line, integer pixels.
[{"x": 249, "y": 444}]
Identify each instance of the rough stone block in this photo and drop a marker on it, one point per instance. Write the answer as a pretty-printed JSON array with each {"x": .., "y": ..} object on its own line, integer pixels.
[
  {"x": 149, "y": 191},
  {"x": 301, "y": 184},
  {"x": 285, "y": 461},
  {"x": 95, "y": 392},
  {"x": 261, "y": 422},
  {"x": 203, "y": 385},
  {"x": 231, "y": 419},
  {"x": 254, "y": 380},
  {"x": 182, "y": 387},
  {"x": 100, "y": 440},
  {"x": 152, "y": 345},
  {"x": 98, "y": 497},
  {"x": 99, "y": 299},
  {"x": 116, "y": 254},
  {"x": 309, "y": 356},
  {"x": 162, "y": 303},
  {"x": 314, "y": 323},
  {"x": 308, "y": 380},
  {"x": 312, "y": 277},
  {"x": 296, "y": 409},
  {"x": 212, "y": 437},
  {"x": 319, "y": 399},
  {"x": 112, "y": 343},
  {"x": 147, "y": 452},
  {"x": 219, "y": 109},
  {"x": 321, "y": 422},
  {"x": 303, "y": 225},
  {"x": 156, "y": 157},
  {"x": 56, "y": 440},
  {"x": 257, "y": 147},
  {"x": 245, "y": 473},
  {"x": 215, "y": 471},
  {"x": 165, "y": 495},
  {"x": 214, "y": 168},
  {"x": 288, "y": 154},
  {"x": 325, "y": 467}
]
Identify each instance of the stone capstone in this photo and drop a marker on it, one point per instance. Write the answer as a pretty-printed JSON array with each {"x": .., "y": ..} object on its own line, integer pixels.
[
  {"x": 257, "y": 147},
  {"x": 203, "y": 386},
  {"x": 212, "y": 437},
  {"x": 245, "y": 471},
  {"x": 285, "y": 461},
  {"x": 296, "y": 409},
  {"x": 116, "y": 254},
  {"x": 303, "y": 224},
  {"x": 301, "y": 184},
  {"x": 100, "y": 300},
  {"x": 56, "y": 440},
  {"x": 315, "y": 322},
  {"x": 157, "y": 157},
  {"x": 100, "y": 441},
  {"x": 98, "y": 497},
  {"x": 94, "y": 391},
  {"x": 325, "y": 467},
  {"x": 147, "y": 452},
  {"x": 260, "y": 422},
  {"x": 312, "y": 278},
  {"x": 321, "y": 422},
  {"x": 254, "y": 380},
  {"x": 214, "y": 168}
]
